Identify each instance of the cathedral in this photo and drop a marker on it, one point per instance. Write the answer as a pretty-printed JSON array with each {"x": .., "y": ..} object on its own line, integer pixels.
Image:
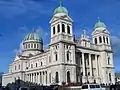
[{"x": 66, "y": 59}]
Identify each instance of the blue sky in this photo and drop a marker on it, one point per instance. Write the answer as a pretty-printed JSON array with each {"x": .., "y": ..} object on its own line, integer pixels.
[{"x": 19, "y": 17}]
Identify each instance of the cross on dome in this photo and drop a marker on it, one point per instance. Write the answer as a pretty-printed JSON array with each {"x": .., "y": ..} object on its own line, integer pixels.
[
  {"x": 60, "y": 1},
  {"x": 98, "y": 19}
]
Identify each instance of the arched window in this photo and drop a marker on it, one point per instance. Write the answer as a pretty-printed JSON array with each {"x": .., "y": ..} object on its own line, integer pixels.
[
  {"x": 108, "y": 60},
  {"x": 67, "y": 56},
  {"x": 68, "y": 29},
  {"x": 41, "y": 63},
  {"x": 81, "y": 73},
  {"x": 34, "y": 45},
  {"x": 19, "y": 66},
  {"x": 88, "y": 73},
  {"x": 15, "y": 67},
  {"x": 58, "y": 28},
  {"x": 63, "y": 28},
  {"x": 31, "y": 45},
  {"x": 36, "y": 64},
  {"x": 95, "y": 40},
  {"x": 56, "y": 56},
  {"x": 57, "y": 77},
  {"x": 104, "y": 39},
  {"x": 28, "y": 45},
  {"x": 100, "y": 40},
  {"x": 68, "y": 76},
  {"x": 110, "y": 76},
  {"x": 54, "y": 30},
  {"x": 43, "y": 73},
  {"x": 107, "y": 39}
]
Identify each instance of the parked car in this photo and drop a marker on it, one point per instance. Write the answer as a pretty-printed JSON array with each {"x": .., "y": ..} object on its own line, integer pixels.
[
  {"x": 23, "y": 88},
  {"x": 92, "y": 87}
]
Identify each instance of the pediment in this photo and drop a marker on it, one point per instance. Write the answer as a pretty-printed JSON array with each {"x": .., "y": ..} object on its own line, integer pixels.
[
  {"x": 16, "y": 58},
  {"x": 55, "y": 18},
  {"x": 105, "y": 31}
]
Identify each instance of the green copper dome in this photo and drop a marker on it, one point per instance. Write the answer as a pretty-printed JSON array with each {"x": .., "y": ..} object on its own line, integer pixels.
[
  {"x": 99, "y": 24},
  {"x": 33, "y": 37},
  {"x": 61, "y": 9}
]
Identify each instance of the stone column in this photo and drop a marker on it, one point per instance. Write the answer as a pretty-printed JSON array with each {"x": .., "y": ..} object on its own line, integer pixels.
[
  {"x": 90, "y": 65},
  {"x": 38, "y": 77},
  {"x": 32, "y": 77},
  {"x": 97, "y": 70},
  {"x": 46, "y": 77},
  {"x": 83, "y": 66},
  {"x": 35, "y": 78},
  {"x": 109, "y": 40},
  {"x": 27, "y": 77},
  {"x": 96, "y": 65},
  {"x": 60, "y": 27},
  {"x": 43, "y": 77}
]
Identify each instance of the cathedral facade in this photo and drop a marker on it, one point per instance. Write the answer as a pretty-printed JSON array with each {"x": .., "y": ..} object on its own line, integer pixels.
[{"x": 66, "y": 59}]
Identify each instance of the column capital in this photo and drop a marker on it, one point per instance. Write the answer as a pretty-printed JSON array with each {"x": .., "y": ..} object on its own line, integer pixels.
[{"x": 82, "y": 52}]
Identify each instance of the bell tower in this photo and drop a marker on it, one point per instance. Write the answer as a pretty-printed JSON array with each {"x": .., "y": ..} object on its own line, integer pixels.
[
  {"x": 100, "y": 34},
  {"x": 62, "y": 45},
  {"x": 61, "y": 25},
  {"x": 101, "y": 39}
]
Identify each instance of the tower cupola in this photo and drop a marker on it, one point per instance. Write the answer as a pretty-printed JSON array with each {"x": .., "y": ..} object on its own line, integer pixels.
[
  {"x": 99, "y": 24},
  {"x": 60, "y": 11},
  {"x": 100, "y": 34}
]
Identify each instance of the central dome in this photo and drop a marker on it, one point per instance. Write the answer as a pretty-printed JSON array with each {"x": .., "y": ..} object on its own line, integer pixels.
[
  {"x": 60, "y": 9},
  {"x": 33, "y": 37}
]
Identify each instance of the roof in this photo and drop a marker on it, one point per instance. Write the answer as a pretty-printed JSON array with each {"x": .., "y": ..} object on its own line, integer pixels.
[
  {"x": 33, "y": 37},
  {"x": 61, "y": 9},
  {"x": 99, "y": 24}
]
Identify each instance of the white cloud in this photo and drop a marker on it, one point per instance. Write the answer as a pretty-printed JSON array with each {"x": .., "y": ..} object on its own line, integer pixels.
[
  {"x": 45, "y": 46},
  {"x": 42, "y": 32},
  {"x": 12, "y": 8},
  {"x": 115, "y": 41}
]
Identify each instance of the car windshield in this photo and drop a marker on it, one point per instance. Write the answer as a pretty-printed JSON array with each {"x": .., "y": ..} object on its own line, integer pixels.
[
  {"x": 85, "y": 87},
  {"x": 102, "y": 85},
  {"x": 97, "y": 86},
  {"x": 92, "y": 86}
]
